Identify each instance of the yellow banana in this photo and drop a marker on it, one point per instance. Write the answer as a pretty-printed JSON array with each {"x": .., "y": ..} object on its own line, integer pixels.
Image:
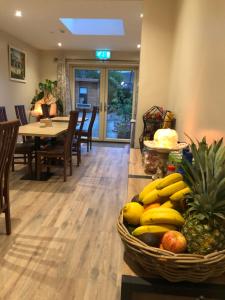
[
  {"x": 161, "y": 215},
  {"x": 171, "y": 189},
  {"x": 157, "y": 229},
  {"x": 180, "y": 194},
  {"x": 168, "y": 180},
  {"x": 151, "y": 197},
  {"x": 168, "y": 204},
  {"x": 150, "y": 187}
]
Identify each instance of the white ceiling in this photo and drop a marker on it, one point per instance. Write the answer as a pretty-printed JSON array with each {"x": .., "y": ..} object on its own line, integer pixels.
[{"x": 41, "y": 28}]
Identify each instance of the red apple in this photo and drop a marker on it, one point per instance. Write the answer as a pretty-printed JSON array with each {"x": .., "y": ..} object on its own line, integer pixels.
[{"x": 174, "y": 241}]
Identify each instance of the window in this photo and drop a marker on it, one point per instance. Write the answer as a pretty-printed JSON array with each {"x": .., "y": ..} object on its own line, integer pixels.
[{"x": 83, "y": 95}]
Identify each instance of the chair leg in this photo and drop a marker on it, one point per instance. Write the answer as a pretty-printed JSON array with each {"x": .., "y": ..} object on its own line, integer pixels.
[
  {"x": 7, "y": 220},
  {"x": 87, "y": 145},
  {"x": 25, "y": 159},
  {"x": 71, "y": 167},
  {"x": 64, "y": 162},
  {"x": 13, "y": 164},
  {"x": 29, "y": 157},
  {"x": 38, "y": 166},
  {"x": 90, "y": 142}
]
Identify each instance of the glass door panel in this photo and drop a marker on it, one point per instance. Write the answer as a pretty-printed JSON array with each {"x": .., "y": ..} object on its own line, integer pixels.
[
  {"x": 87, "y": 94},
  {"x": 119, "y": 104}
]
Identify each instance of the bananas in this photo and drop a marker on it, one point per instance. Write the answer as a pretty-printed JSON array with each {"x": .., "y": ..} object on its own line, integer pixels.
[
  {"x": 150, "y": 187},
  {"x": 180, "y": 194},
  {"x": 168, "y": 204},
  {"x": 162, "y": 215},
  {"x": 168, "y": 180},
  {"x": 156, "y": 229},
  {"x": 171, "y": 189},
  {"x": 151, "y": 197}
]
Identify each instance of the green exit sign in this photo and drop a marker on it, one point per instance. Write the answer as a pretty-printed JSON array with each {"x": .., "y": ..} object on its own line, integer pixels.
[{"x": 103, "y": 54}]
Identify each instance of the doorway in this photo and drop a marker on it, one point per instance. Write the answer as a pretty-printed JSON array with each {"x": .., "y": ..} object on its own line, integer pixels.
[{"x": 112, "y": 90}]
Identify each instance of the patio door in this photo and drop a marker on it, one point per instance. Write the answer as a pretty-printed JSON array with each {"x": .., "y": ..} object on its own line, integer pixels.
[{"x": 112, "y": 91}]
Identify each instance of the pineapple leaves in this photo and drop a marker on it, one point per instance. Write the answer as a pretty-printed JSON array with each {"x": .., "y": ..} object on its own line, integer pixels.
[{"x": 206, "y": 178}]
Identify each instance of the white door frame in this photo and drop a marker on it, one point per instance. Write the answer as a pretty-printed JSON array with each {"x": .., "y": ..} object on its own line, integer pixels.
[{"x": 103, "y": 67}]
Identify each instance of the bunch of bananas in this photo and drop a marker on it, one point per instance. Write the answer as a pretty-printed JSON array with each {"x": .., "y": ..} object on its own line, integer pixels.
[{"x": 162, "y": 200}]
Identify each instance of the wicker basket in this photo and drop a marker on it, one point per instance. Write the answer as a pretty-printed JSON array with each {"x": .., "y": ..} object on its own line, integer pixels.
[{"x": 173, "y": 267}]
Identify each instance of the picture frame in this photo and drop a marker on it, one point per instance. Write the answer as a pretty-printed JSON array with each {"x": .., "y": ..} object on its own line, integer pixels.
[{"x": 17, "y": 64}]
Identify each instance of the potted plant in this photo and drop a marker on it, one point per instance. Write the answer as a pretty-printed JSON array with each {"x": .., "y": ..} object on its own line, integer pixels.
[{"x": 47, "y": 94}]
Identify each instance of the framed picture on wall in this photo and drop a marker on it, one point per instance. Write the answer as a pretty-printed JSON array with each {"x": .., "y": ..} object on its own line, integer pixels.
[{"x": 17, "y": 64}]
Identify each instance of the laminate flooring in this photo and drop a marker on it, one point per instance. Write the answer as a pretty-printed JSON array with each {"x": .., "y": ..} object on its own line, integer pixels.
[{"x": 64, "y": 244}]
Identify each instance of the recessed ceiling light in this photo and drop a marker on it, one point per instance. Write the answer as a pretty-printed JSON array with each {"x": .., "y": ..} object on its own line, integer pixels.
[
  {"x": 59, "y": 44},
  {"x": 111, "y": 27},
  {"x": 141, "y": 15},
  {"x": 138, "y": 46},
  {"x": 18, "y": 13}
]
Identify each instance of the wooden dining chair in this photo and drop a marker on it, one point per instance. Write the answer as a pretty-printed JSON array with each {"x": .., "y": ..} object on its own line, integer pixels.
[
  {"x": 76, "y": 145},
  {"x": 86, "y": 135},
  {"x": 3, "y": 116},
  {"x": 8, "y": 136},
  {"x": 25, "y": 150},
  {"x": 59, "y": 151}
]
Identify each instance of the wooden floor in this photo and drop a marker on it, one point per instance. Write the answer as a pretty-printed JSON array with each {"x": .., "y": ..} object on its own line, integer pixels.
[{"x": 64, "y": 243}]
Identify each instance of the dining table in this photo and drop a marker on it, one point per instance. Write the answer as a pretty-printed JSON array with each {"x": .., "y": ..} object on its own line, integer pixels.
[
  {"x": 38, "y": 132},
  {"x": 65, "y": 119}
]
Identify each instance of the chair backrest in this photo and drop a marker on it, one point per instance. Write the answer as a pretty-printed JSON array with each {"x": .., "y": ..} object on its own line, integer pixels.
[
  {"x": 84, "y": 112},
  {"x": 3, "y": 116},
  {"x": 70, "y": 132},
  {"x": 21, "y": 114},
  {"x": 93, "y": 116},
  {"x": 8, "y": 137},
  {"x": 45, "y": 111}
]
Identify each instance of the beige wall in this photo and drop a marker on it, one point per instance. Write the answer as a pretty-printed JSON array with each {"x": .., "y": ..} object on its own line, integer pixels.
[
  {"x": 197, "y": 91},
  {"x": 12, "y": 92},
  {"x": 48, "y": 63},
  {"x": 156, "y": 53}
]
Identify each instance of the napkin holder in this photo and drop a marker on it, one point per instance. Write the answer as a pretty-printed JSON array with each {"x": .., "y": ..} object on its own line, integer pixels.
[{"x": 45, "y": 123}]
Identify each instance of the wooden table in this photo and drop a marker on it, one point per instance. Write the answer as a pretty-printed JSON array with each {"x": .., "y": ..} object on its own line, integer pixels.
[
  {"x": 133, "y": 285},
  {"x": 66, "y": 119},
  {"x": 34, "y": 129}
]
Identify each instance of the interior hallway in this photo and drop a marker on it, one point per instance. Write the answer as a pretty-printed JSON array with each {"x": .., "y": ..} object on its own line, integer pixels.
[{"x": 64, "y": 243}]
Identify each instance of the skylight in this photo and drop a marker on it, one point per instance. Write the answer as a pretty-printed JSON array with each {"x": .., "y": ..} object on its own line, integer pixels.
[{"x": 113, "y": 27}]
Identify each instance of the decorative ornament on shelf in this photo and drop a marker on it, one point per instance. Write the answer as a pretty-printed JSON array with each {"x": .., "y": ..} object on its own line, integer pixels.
[{"x": 47, "y": 94}]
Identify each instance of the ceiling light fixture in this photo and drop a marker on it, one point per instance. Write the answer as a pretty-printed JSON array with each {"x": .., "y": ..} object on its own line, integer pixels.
[
  {"x": 138, "y": 46},
  {"x": 59, "y": 44},
  {"x": 141, "y": 15},
  {"x": 18, "y": 13}
]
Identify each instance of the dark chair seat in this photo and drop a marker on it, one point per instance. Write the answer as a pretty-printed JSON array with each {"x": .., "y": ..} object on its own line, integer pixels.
[{"x": 24, "y": 148}]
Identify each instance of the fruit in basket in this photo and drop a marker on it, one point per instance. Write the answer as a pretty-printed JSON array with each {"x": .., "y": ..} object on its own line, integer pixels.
[
  {"x": 168, "y": 180},
  {"x": 168, "y": 204},
  {"x": 151, "y": 197},
  {"x": 172, "y": 188},
  {"x": 132, "y": 212},
  {"x": 150, "y": 239},
  {"x": 136, "y": 199},
  {"x": 150, "y": 206},
  {"x": 174, "y": 241},
  {"x": 154, "y": 229},
  {"x": 148, "y": 188},
  {"x": 180, "y": 194},
  {"x": 204, "y": 227},
  {"x": 162, "y": 215}
]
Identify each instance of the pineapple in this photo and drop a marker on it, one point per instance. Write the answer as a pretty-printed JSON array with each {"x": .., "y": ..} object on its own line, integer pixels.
[{"x": 204, "y": 226}]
